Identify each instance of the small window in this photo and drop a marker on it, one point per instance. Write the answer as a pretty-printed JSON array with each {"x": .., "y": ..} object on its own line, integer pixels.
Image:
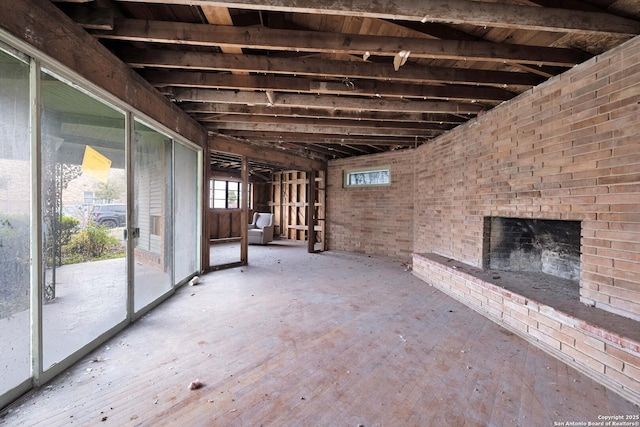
[
  {"x": 226, "y": 194},
  {"x": 368, "y": 177}
]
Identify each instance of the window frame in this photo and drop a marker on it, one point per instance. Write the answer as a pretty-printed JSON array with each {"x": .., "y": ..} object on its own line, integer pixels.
[
  {"x": 228, "y": 191},
  {"x": 348, "y": 183}
]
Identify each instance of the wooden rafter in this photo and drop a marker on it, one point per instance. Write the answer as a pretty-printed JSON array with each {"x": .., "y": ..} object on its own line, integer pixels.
[
  {"x": 376, "y": 125},
  {"x": 235, "y": 38},
  {"x": 306, "y": 76},
  {"x": 500, "y": 15},
  {"x": 160, "y": 58},
  {"x": 324, "y": 138},
  {"x": 213, "y": 111},
  {"x": 325, "y": 126},
  {"x": 263, "y": 153},
  {"x": 307, "y": 85},
  {"x": 325, "y": 102}
]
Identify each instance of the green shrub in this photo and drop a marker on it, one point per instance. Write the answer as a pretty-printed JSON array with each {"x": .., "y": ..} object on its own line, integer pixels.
[
  {"x": 67, "y": 227},
  {"x": 93, "y": 243},
  {"x": 59, "y": 234}
]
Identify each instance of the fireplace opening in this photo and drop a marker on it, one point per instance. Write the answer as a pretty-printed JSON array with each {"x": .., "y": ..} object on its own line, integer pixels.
[{"x": 533, "y": 245}]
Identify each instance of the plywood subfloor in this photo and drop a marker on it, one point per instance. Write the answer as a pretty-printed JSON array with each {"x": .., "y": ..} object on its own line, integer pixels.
[{"x": 328, "y": 339}]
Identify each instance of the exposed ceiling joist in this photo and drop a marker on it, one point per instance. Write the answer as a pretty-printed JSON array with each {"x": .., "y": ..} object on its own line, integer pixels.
[
  {"x": 325, "y": 102},
  {"x": 324, "y": 42},
  {"x": 331, "y": 79},
  {"x": 159, "y": 58},
  {"x": 208, "y": 111},
  {"x": 262, "y": 153},
  {"x": 500, "y": 15},
  {"x": 321, "y": 127},
  {"x": 205, "y": 80},
  {"x": 325, "y": 138},
  {"x": 327, "y": 122},
  {"x": 92, "y": 17}
]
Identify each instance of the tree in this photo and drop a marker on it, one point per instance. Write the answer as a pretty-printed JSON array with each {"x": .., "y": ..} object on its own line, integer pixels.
[
  {"x": 109, "y": 191},
  {"x": 233, "y": 199}
]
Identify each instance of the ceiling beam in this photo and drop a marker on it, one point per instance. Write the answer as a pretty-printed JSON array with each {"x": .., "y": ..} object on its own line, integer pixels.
[
  {"x": 322, "y": 127},
  {"x": 160, "y": 58},
  {"x": 326, "y": 102},
  {"x": 331, "y": 151},
  {"x": 90, "y": 16},
  {"x": 209, "y": 80},
  {"x": 264, "y": 154},
  {"x": 231, "y": 38},
  {"x": 328, "y": 122},
  {"x": 326, "y": 139},
  {"x": 224, "y": 110},
  {"x": 482, "y": 14}
]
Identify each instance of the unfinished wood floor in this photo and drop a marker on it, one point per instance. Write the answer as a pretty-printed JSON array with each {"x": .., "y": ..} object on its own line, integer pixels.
[{"x": 327, "y": 339}]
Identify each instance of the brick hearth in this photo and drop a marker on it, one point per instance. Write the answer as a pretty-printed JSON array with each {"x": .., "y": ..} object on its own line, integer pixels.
[{"x": 602, "y": 345}]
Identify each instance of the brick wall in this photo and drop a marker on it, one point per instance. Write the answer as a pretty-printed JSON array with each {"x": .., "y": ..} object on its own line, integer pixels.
[
  {"x": 372, "y": 220},
  {"x": 567, "y": 149}
]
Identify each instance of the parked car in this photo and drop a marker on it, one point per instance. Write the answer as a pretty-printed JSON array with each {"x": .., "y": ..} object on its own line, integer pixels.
[{"x": 110, "y": 215}]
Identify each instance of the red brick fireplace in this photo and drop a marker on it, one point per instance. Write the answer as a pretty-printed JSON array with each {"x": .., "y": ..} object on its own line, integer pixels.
[{"x": 564, "y": 157}]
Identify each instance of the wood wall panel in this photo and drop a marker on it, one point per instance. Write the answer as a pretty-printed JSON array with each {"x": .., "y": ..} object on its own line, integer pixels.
[{"x": 225, "y": 223}]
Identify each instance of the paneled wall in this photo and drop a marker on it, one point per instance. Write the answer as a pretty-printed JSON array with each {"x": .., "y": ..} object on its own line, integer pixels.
[{"x": 225, "y": 223}]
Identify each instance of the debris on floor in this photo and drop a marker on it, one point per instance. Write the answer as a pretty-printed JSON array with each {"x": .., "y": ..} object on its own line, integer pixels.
[
  {"x": 194, "y": 281},
  {"x": 194, "y": 385}
]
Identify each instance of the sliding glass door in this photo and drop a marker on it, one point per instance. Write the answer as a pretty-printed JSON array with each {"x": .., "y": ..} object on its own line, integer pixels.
[
  {"x": 100, "y": 217},
  {"x": 187, "y": 211},
  {"x": 83, "y": 205},
  {"x": 152, "y": 223},
  {"x": 15, "y": 223}
]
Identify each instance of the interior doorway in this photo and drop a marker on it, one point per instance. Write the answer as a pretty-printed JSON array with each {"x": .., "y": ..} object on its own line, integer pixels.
[{"x": 271, "y": 189}]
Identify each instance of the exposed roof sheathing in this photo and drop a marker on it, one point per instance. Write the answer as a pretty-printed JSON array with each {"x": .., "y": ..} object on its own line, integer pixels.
[{"x": 336, "y": 79}]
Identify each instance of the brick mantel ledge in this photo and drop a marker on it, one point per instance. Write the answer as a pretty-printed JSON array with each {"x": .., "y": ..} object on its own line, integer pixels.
[{"x": 600, "y": 344}]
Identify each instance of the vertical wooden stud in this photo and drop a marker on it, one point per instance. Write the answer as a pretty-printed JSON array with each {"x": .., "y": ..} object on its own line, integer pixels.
[{"x": 311, "y": 208}]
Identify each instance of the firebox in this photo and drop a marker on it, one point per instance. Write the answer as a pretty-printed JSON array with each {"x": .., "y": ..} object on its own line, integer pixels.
[{"x": 533, "y": 245}]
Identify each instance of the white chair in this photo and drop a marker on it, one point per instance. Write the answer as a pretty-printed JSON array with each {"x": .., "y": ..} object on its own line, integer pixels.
[{"x": 261, "y": 229}]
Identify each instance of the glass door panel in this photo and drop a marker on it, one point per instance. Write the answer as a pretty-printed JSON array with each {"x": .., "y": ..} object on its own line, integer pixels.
[
  {"x": 152, "y": 215},
  {"x": 83, "y": 188},
  {"x": 187, "y": 208},
  {"x": 15, "y": 227}
]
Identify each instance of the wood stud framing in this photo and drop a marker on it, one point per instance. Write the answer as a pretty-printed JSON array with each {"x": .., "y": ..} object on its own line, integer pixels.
[{"x": 290, "y": 195}]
